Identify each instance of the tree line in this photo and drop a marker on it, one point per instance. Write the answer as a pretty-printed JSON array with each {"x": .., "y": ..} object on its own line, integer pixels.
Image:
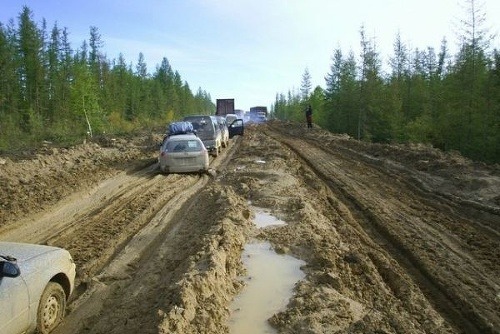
[
  {"x": 449, "y": 101},
  {"x": 51, "y": 92}
]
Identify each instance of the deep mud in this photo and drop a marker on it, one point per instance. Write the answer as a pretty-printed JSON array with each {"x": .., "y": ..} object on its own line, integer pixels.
[{"x": 396, "y": 238}]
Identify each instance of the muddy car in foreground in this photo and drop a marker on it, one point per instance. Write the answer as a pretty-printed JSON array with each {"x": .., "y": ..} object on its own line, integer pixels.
[{"x": 35, "y": 284}]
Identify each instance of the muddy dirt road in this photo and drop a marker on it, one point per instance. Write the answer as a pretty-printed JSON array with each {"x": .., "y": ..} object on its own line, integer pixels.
[{"x": 395, "y": 239}]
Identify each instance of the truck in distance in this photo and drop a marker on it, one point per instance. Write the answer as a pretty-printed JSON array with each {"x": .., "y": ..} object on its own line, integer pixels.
[
  {"x": 224, "y": 107},
  {"x": 258, "y": 114}
]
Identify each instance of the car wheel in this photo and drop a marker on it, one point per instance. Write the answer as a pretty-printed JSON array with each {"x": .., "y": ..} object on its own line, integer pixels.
[{"x": 51, "y": 309}]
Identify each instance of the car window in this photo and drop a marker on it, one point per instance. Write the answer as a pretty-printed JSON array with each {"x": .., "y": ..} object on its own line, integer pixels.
[
  {"x": 203, "y": 128},
  {"x": 183, "y": 146},
  {"x": 230, "y": 119}
]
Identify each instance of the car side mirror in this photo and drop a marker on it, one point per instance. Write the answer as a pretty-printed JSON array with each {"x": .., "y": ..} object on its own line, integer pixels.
[{"x": 9, "y": 269}]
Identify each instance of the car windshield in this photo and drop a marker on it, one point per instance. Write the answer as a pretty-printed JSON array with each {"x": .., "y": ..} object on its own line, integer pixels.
[{"x": 183, "y": 146}]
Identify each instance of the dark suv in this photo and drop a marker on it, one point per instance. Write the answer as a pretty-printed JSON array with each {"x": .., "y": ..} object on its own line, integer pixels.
[{"x": 207, "y": 129}]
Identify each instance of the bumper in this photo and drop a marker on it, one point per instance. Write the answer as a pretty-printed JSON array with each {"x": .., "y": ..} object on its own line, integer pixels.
[{"x": 199, "y": 166}]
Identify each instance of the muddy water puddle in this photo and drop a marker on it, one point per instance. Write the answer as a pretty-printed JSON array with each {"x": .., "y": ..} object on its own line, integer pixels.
[
  {"x": 263, "y": 218},
  {"x": 270, "y": 280}
]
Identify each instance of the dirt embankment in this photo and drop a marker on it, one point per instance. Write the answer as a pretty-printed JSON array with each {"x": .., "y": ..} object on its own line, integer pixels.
[{"x": 396, "y": 239}]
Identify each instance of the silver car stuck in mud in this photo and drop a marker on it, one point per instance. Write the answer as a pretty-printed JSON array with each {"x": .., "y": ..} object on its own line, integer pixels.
[{"x": 35, "y": 284}]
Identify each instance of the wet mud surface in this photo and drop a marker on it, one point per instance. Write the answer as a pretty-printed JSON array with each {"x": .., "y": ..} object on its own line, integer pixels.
[{"x": 395, "y": 238}]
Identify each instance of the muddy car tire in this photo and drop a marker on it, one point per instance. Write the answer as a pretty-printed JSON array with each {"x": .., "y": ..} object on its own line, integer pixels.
[{"x": 51, "y": 308}]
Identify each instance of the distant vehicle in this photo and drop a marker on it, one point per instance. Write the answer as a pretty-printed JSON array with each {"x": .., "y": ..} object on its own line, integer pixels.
[
  {"x": 221, "y": 120},
  {"x": 258, "y": 114},
  {"x": 230, "y": 118},
  {"x": 207, "y": 129},
  {"x": 224, "y": 107},
  {"x": 184, "y": 153},
  {"x": 35, "y": 284}
]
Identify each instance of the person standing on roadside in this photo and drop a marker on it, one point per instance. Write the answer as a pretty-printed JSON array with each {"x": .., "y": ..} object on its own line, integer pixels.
[{"x": 309, "y": 113}]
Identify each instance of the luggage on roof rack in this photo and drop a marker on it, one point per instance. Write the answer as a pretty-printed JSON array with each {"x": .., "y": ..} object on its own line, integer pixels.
[{"x": 180, "y": 128}]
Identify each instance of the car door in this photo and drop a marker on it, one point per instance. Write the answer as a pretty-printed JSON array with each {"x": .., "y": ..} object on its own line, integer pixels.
[
  {"x": 236, "y": 128},
  {"x": 14, "y": 305}
]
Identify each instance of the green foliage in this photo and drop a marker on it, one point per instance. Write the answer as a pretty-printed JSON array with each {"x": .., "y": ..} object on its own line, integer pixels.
[
  {"x": 452, "y": 103},
  {"x": 317, "y": 101},
  {"x": 50, "y": 92}
]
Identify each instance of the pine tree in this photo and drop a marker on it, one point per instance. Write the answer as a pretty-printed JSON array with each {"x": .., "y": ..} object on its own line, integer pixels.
[
  {"x": 332, "y": 93},
  {"x": 467, "y": 83},
  {"x": 9, "y": 83},
  {"x": 54, "y": 74},
  {"x": 305, "y": 87},
  {"x": 349, "y": 99},
  {"x": 66, "y": 59},
  {"x": 31, "y": 70},
  {"x": 371, "y": 123}
]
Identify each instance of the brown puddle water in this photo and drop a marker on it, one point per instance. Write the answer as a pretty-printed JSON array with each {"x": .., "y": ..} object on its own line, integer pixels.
[{"x": 269, "y": 283}]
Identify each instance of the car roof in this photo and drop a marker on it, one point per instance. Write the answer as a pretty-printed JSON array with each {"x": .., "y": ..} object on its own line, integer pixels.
[
  {"x": 186, "y": 136},
  {"x": 197, "y": 117}
]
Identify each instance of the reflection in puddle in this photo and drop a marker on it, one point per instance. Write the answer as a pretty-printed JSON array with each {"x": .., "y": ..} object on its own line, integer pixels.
[
  {"x": 264, "y": 219},
  {"x": 270, "y": 282}
]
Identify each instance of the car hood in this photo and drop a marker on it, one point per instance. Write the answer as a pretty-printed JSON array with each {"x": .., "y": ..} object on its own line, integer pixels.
[{"x": 24, "y": 252}]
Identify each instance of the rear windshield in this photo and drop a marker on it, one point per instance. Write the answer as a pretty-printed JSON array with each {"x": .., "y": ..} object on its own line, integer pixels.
[
  {"x": 183, "y": 146},
  {"x": 203, "y": 127}
]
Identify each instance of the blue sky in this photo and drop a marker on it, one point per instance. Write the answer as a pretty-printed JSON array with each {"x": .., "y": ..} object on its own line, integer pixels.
[{"x": 251, "y": 50}]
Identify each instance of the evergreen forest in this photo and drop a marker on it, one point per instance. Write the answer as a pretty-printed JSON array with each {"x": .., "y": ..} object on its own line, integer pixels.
[
  {"x": 52, "y": 92},
  {"x": 451, "y": 102}
]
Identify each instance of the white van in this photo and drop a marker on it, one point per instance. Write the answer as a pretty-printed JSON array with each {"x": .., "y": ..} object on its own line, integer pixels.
[{"x": 230, "y": 118}]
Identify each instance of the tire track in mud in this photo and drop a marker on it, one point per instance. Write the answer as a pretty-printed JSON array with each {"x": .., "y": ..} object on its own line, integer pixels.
[
  {"x": 97, "y": 227},
  {"x": 114, "y": 232},
  {"x": 94, "y": 225},
  {"x": 461, "y": 289},
  {"x": 485, "y": 217},
  {"x": 75, "y": 209},
  {"x": 104, "y": 231},
  {"x": 134, "y": 270},
  {"x": 137, "y": 288}
]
